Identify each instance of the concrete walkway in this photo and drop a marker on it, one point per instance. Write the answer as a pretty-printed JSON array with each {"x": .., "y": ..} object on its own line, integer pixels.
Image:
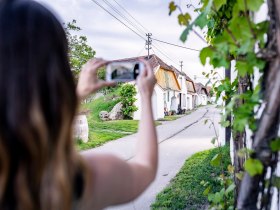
[{"x": 178, "y": 140}]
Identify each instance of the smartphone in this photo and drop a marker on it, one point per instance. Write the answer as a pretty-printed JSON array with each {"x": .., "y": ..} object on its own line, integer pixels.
[{"x": 123, "y": 71}]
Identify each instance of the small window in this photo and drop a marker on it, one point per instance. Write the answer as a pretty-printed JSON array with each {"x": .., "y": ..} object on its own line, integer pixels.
[{"x": 168, "y": 96}]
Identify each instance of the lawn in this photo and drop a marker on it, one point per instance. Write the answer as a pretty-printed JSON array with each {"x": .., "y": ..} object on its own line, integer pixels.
[
  {"x": 185, "y": 190},
  {"x": 101, "y": 132}
]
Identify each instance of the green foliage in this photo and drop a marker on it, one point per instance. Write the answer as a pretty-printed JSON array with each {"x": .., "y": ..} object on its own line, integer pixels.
[
  {"x": 216, "y": 160},
  {"x": 219, "y": 3},
  {"x": 79, "y": 50},
  {"x": 185, "y": 190},
  {"x": 128, "y": 93},
  {"x": 102, "y": 76},
  {"x": 184, "y": 20},
  {"x": 252, "y": 5},
  {"x": 172, "y": 7},
  {"x": 276, "y": 182},
  {"x": 253, "y": 166},
  {"x": 102, "y": 132},
  {"x": 275, "y": 145},
  {"x": 233, "y": 34}
]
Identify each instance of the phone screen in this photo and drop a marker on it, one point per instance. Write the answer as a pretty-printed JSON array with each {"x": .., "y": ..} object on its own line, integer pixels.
[{"x": 123, "y": 71}]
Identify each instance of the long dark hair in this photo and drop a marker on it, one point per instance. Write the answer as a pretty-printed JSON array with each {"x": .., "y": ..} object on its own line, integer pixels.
[{"x": 37, "y": 107}]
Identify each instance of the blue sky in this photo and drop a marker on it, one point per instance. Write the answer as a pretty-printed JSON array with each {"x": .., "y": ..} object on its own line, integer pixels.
[{"x": 111, "y": 40}]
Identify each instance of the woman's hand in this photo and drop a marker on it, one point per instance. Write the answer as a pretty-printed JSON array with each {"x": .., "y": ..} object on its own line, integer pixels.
[
  {"x": 88, "y": 81},
  {"x": 146, "y": 81}
]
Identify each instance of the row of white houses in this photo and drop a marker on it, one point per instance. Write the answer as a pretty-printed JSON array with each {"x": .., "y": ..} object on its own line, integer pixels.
[{"x": 174, "y": 91}]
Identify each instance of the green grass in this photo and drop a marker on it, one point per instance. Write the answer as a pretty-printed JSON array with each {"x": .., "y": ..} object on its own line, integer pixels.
[
  {"x": 174, "y": 117},
  {"x": 97, "y": 138},
  {"x": 185, "y": 190},
  {"x": 101, "y": 132},
  {"x": 171, "y": 118}
]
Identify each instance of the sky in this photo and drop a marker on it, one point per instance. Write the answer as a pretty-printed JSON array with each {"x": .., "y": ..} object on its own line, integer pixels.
[{"x": 112, "y": 40}]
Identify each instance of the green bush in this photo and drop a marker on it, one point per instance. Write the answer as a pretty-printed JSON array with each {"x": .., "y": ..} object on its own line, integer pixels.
[{"x": 128, "y": 93}]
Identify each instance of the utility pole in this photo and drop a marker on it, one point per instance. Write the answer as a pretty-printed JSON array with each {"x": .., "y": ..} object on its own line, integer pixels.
[
  {"x": 149, "y": 44},
  {"x": 181, "y": 65}
]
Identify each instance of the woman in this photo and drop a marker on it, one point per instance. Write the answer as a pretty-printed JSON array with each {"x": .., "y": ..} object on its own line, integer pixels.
[{"x": 39, "y": 167}]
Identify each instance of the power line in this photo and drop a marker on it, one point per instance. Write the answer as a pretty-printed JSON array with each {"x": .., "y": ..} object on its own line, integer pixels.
[
  {"x": 141, "y": 51},
  {"x": 148, "y": 30},
  {"x": 129, "y": 21},
  {"x": 163, "y": 50},
  {"x": 131, "y": 16},
  {"x": 175, "y": 63},
  {"x": 117, "y": 19},
  {"x": 176, "y": 45},
  {"x": 123, "y": 16}
]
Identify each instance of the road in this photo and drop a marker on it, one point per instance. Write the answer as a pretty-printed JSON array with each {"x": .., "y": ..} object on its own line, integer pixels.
[{"x": 178, "y": 140}]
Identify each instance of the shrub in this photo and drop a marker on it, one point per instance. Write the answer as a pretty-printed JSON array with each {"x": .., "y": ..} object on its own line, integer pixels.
[{"x": 128, "y": 93}]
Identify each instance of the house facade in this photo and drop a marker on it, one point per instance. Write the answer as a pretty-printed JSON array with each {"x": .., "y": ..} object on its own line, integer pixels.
[
  {"x": 167, "y": 88},
  {"x": 192, "y": 95},
  {"x": 166, "y": 91},
  {"x": 186, "y": 96},
  {"x": 202, "y": 94}
]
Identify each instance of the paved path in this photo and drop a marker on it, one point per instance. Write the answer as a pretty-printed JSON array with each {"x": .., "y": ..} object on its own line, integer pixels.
[{"x": 177, "y": 141}]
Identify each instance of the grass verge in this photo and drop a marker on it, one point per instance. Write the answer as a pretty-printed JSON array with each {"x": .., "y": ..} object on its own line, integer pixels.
[
  {"x": 174, "y": 117},
  {"x": 185, "y": 190},
  {"x": 101, "y": 132}
]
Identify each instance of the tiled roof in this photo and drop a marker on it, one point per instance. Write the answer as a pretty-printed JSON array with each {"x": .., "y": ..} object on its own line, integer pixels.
[
  {"x": 167, "y": 80},
  {"x": 200, "y": 88},
  {"x": 154, "y": 61}
]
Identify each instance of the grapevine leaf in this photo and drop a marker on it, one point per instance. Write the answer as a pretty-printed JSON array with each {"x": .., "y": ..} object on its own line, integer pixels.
[
  {"x": 254, "y": 5},
  {"x": 216, "y": 160},
  {"x": 205, "y": 53},
  {"x": 240, "y": 175},
  {"x": 201, "y": 20},
  {"x": 184, "y": 20},
  {"x": 207, "y": 190},
  {"x": 275, "y": 145},
  {"x": 219, "y": 3},
  {"x": 253, "y": 167},
  {"x": 172, "y": 7},
  {"x": 243, "y": 68},
  {"x": 230, "y": 169},
  {"x": 230, "y": 189},
  {"x": 186, "y": 32}
]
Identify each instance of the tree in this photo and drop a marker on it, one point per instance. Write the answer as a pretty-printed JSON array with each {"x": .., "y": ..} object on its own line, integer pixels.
[
  {"x": 233, "y": 36},
  {"x": 79, "y": 50}
]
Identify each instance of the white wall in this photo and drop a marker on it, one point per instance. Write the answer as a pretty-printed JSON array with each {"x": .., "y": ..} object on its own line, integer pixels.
[
  {"x": 189, "y": 102},
  {"x": 157, "y": 103},
  {"x": 201, "y": 100}
]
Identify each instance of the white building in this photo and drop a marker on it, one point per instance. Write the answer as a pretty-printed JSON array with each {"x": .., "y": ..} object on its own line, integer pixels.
[
  {"x": 187, "y": 94},
  {"x": 167, "y": 88},
  {"x": 202, "y": 94}
]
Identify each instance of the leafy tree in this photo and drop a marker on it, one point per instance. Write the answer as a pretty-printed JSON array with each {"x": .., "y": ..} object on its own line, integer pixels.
[
  {"x": 79, "y": 50},
  {"x": 128, "y": 93},
  {"x": 233, "y": 35}
]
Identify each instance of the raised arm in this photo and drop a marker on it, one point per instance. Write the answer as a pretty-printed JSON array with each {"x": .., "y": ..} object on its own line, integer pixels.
[{"x": 115, "y": 181}]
